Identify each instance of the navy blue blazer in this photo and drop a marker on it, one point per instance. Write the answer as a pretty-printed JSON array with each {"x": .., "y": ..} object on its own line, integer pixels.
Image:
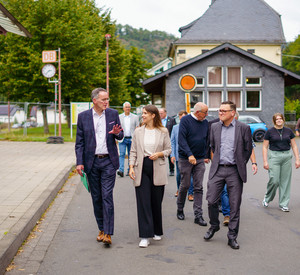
[{"x": 85, "y": 145}]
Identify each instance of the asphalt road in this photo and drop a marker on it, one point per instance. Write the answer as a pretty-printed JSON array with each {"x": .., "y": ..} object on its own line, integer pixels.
[{"x": 269, "y": 238}]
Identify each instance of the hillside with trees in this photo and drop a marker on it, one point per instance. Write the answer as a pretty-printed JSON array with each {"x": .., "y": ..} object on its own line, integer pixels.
[{"x": 154, "y": 43}]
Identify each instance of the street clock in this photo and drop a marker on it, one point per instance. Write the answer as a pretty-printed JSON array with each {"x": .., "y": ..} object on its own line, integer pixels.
[{"x": 48, "y": 70}]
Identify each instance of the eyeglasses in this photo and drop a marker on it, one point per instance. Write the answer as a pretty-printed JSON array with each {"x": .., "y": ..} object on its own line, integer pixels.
[{"x": 224, "y": 111}]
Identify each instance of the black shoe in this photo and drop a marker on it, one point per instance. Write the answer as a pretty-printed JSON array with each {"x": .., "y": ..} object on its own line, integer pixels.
[
  {"x": 210, "y": 233},
  {"x": 120, "y": 173},
  {"x": 180, "y": 215},
  {"x": 200, "y": 221},
  {"x": 171, "y": 174},
  {"x": 233, "y": 244}
]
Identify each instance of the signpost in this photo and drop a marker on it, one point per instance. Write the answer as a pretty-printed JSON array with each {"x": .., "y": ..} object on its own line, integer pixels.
[
  {"x": 49, "y": 71},
  {"x": 187, "y": 83}
]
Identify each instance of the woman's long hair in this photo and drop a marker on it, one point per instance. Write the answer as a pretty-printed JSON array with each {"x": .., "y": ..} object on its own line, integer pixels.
[{"x": 153, "y": 110}]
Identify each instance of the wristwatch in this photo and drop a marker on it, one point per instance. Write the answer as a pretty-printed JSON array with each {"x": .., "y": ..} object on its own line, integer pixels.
[{"x": 254, "y": 163}]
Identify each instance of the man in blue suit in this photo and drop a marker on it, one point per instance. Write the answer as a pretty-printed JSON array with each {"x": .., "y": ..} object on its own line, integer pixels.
[{"x": 97, "y": 155}]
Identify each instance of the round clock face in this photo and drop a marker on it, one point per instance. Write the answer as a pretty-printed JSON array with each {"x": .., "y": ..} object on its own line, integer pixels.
[{"x": 48, "y": 70}]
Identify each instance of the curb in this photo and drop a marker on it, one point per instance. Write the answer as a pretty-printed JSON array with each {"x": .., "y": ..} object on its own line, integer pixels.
[{"x": 20, "y": 231}]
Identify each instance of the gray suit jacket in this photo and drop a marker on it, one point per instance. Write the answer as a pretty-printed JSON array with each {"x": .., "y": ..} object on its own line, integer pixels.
[
  {"x": 242, "y": 144},
  {"x": 134, "y": 122}
]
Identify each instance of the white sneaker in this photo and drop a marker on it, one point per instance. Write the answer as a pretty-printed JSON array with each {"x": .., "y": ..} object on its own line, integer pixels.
[
  {"x": 156, "y": 238},
  {"x": 144, "y": 243},
  {"x": 285, "y": 209},
  {"x": 264, "y": 203}
]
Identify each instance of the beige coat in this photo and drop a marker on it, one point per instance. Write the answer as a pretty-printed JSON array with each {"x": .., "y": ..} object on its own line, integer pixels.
[{"x": 162, "y": 144}]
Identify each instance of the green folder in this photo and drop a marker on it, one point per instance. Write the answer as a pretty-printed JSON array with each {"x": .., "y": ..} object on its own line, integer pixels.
[{"x": 85, "y": 181}]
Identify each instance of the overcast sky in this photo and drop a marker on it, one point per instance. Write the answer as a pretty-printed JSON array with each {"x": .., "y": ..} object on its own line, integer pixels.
[{"x": 170, "y": 15}]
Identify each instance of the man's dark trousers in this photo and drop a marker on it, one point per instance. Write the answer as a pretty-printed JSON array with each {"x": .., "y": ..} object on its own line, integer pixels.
[
  {"x": 102, "y": 180},
  {"x": 197, "y": 171},
  {"x": 230, "y": 176}
]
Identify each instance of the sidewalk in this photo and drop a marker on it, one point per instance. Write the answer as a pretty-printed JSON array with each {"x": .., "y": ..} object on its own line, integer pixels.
[{"x": 31, "y": 175}]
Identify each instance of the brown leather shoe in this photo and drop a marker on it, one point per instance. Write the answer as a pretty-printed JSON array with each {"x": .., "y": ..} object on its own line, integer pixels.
[
  {"x": 100, "y": 236},
  {"x": 226, "y": 220},
  {"x": 176, "y": 194},
  {"x": 190, "y": 197},
  {"x": 107, "y": 239}
]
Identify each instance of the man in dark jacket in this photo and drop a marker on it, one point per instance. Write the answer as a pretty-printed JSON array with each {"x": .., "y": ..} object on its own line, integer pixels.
[
  {"x": 168, "y": 122},
  {"x": 192, "y": 149}
]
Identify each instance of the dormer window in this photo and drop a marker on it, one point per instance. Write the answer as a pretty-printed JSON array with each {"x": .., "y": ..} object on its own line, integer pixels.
[{"x": 181, "y": 51}]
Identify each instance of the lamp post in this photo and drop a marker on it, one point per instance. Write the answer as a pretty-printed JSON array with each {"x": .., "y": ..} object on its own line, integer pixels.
[{"x": 107, "y": 37}]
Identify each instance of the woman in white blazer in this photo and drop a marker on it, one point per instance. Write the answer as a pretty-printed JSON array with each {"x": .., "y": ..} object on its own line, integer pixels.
[{"x": 149, "y": 153}]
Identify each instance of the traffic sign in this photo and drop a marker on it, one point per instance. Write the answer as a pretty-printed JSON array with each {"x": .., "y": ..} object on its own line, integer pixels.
[{"x": 49, "y": 56}]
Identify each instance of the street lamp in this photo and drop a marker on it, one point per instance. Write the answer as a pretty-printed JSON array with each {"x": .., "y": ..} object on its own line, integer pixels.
[{"x": 107, "y": 37}]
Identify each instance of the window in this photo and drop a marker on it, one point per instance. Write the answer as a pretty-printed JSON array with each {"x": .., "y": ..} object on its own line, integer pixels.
[
  {"x": 234, "y": 76},
  {"x": 253, "y": 101},
  {"x": 251, "y": 50},
  {"x": 160, "y": 70},
  {"x": 200, "y": 81},
  {"x": 236, "y": 97},
  {"x": 215, "y": 76},
  {"x": 181, "y": 51},
  {"x": 214, "y": 100},
  {"x": 253, "y": 81},
  {"x": 157, "y": 100},
  {"x": 195, "y": 98}
]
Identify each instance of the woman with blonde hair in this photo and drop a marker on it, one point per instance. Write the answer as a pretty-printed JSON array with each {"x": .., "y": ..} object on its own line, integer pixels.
[
  {"x": 278, "y": 161},
  {"x": 148, "y": 160}
]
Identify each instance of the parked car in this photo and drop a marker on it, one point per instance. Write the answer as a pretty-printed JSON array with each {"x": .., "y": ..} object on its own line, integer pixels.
[{"x": 257, "y": 126}]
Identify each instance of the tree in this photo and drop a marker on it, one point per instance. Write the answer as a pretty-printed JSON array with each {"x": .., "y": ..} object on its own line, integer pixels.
[
  {"x": 136, "y": 68},
  {"x": 78, "y": 28},
  {"x": 292, "y": 62}
]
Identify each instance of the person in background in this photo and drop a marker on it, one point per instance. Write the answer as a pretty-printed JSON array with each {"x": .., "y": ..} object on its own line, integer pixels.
[
  {"x": 278, "y": 161},
  {"x": 168, "y": 122},
  {"x": 175, "y": 157},
  {"x": 129, "y": 122},
  {"x": 193, "y": 141},
  {"x": 97, "y": 155},
  {"x": 297, "y": 129},
  {"x": 149, "y": 152}
]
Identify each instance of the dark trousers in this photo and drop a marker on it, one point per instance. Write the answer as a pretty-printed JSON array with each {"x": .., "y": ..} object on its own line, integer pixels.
[
  {"x": 102, "y": 181},
  {"x": 171, "y": 165},
  {"x": 188, "y": 170},
  {"x": 215, "y": 186},
  {"x": 149, "y": 200}
]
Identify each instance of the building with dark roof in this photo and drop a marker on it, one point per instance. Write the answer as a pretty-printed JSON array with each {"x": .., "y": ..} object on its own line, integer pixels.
[
  {"x": 251, "y": 25},
  {"x": 232, "y": 52}
]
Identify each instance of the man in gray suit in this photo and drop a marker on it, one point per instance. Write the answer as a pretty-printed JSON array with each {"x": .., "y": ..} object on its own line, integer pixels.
[
  {"x": 231, "y": 144},
  {"x": 129, "y": 122}
]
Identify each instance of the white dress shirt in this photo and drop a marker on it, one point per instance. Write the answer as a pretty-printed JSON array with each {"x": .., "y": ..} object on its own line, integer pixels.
[
  {"x": 126, "y": 128},
  {"x": 100, "y": 133}
]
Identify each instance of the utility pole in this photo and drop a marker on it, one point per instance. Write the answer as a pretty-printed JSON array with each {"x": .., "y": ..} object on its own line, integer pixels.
[{"x": 107, "y": 37}]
